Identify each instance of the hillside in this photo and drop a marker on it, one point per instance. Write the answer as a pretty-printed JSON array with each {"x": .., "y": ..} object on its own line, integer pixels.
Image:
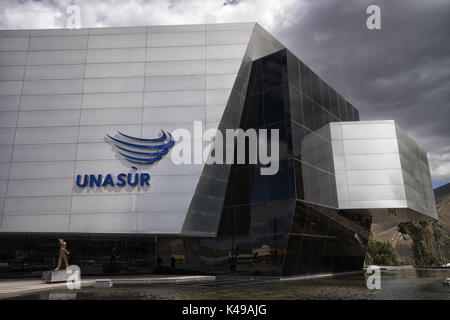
[
  {"x": 442, "y": 195},
  {"x": 442, "y": 192},
  {"x": 443, "y": 207},
  {"x": 403, "y": 248}
]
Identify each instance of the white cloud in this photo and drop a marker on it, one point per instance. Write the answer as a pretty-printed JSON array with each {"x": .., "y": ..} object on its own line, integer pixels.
[
  {"x": 273, "y": 15},
  {"x": 440, "y": 164},
  {"x": 29, "y": 15}
]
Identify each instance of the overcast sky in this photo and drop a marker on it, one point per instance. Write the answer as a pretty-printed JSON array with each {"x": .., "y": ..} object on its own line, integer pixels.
[{"x": 400, "y": 72}]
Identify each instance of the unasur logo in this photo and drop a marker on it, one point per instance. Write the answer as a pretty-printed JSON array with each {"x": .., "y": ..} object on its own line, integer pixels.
[
  {"x": 137, "y": 151},
  {"x": 145, "y": 151}
]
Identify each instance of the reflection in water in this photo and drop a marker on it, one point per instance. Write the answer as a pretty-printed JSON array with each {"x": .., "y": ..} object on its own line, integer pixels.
[
  {"x": 405, "y": 284},
  {"x": 58, "y": 296}
]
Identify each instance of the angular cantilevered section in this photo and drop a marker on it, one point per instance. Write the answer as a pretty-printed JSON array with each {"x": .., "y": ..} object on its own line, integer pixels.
[
  {"x": 380, "y": 168},
  {"x": 203, "y": 216}
]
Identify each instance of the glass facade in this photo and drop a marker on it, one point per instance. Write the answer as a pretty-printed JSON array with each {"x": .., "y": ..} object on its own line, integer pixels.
[
  {"x": 279, "y": 225},
  {"x": 292, "y": 215}
]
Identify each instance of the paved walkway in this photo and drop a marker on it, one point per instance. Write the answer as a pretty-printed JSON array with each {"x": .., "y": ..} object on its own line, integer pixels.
[{"x": 15, "y": 287}]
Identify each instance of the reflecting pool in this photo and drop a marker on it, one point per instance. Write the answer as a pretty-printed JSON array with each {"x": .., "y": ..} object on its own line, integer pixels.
[{"x": 402, "y": 284}]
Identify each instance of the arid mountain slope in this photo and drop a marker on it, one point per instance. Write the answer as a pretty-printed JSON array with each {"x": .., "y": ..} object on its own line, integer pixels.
[{"x": 403, "y": 248}]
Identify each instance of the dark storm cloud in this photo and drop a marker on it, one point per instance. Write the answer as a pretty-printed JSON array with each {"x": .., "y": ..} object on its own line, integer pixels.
[{"x": 400, "y": 72}]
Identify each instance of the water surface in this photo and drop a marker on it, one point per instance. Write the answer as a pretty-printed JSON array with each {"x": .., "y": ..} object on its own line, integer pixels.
[{"x": 403, "y": 284}]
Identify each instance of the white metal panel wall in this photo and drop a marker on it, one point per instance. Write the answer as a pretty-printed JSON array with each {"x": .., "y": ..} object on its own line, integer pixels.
[
  {"x": 372, "y": 164},
  {"x": 367, "y": 165},
  {"x": 62, "y": 91}
]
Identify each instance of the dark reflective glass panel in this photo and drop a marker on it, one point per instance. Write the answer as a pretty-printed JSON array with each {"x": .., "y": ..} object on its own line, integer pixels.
[
  {"x": 255, "y": 81},
  {"x": 298, "y": 134},
  {"x": 296, "y": 106},
  {"x": 227, "y": 222},
  {"x": 279, "y": 185},
  {"x": 242, "y": 220},
  {"x": 272, "y": 71},
  {"x": 308, "y": 112},
  {"x": 274, "y": 110},
  {"x": 355, "y": 114},
  {"x": 305, "y": 79},
  {"x": 325, "y": 96},
  {"x": 285, "y": 141},
  {"x": 293, "y": 71},
  {"x": 318, "y": 120},
  {"x": 342, "y": 108},
  {"x": 334, "y": 106},
  {"x": 242, "y": 186},
  {"x": 315, "y": 82},
  {"x": 259, "y": 189},
  {"x": 253, "y": 115}
]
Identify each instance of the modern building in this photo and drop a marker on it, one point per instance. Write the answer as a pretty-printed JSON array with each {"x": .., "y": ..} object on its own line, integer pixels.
[{"x": 76, "y": 104}]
